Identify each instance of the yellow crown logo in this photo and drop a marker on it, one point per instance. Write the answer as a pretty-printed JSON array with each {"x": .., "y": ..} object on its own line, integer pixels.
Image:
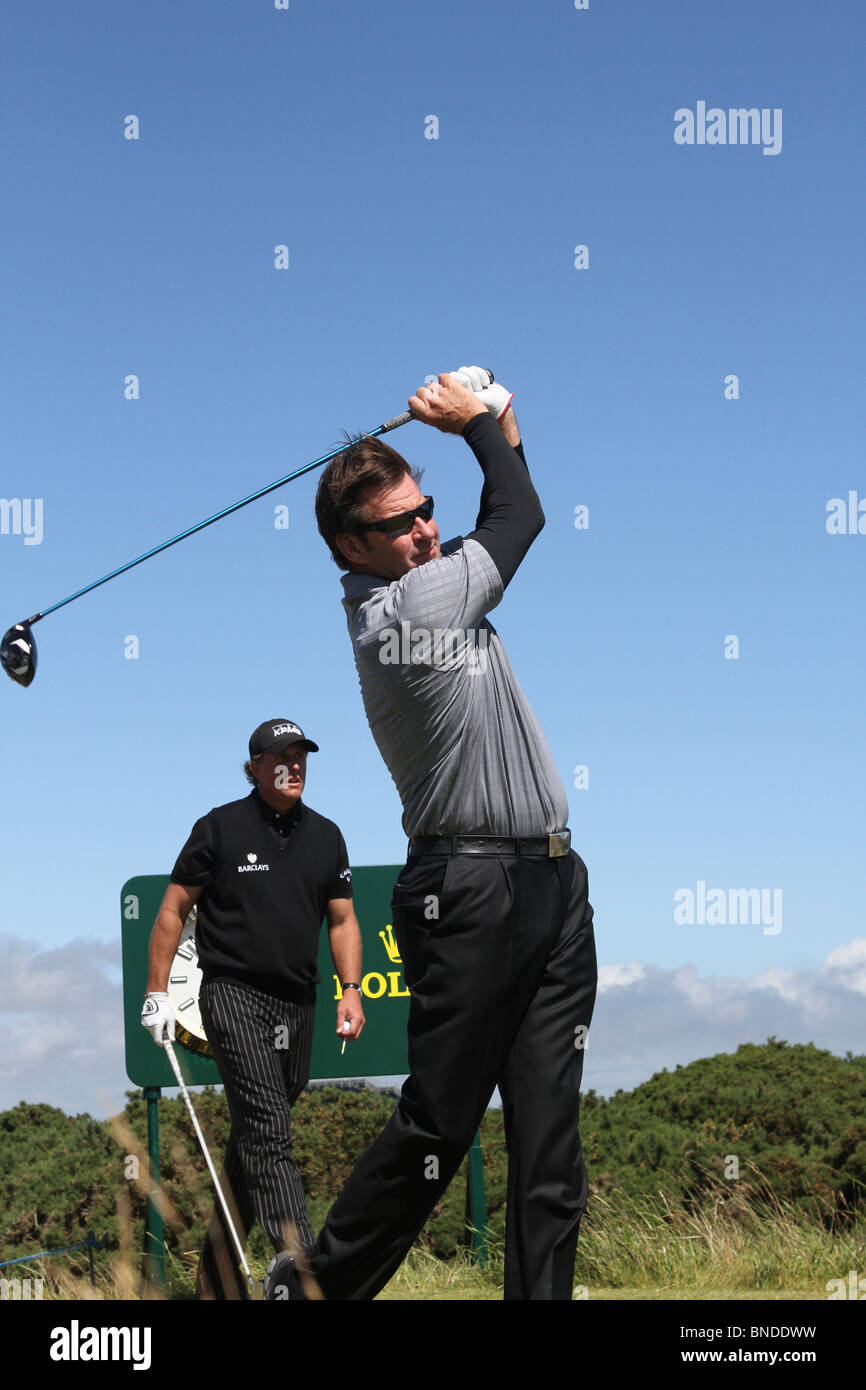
[{"x": 388, "y": 941}]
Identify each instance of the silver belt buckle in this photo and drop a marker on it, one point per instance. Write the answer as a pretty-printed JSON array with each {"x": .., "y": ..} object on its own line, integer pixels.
[{"x": 558, "y": 844}]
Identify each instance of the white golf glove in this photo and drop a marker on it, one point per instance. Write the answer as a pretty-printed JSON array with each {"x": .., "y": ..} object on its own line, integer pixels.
[
  {"x": 158, "y": 1015},
  {"x": 477, "y": 379}
]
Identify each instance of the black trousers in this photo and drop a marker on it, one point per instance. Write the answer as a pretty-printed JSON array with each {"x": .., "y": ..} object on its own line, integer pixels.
[
  {"x": 262, "y": 1047},
  {"x": 499, "y": 955}
]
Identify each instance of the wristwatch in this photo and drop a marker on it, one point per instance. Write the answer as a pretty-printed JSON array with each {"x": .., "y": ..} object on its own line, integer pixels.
[{"x": 350, "y": 984}]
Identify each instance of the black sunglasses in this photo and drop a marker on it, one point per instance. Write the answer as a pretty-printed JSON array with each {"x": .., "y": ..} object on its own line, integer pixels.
[{"x": 402, "y": 523}]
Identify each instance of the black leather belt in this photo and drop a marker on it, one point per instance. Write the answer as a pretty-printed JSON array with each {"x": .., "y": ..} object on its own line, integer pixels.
[{"x": 532, "y": 846}]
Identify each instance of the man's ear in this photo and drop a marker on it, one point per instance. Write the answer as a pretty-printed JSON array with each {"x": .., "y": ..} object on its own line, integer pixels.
[{"x": 351, "y": 546}]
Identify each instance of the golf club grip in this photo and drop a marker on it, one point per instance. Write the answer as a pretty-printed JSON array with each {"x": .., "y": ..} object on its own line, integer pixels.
[
  {"x": 407, "y": 415},
  {"x": 396, "y": 421}
]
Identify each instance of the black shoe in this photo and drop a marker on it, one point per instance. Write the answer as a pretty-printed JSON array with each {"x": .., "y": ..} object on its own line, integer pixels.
[{"x": 282, "y": 1280}]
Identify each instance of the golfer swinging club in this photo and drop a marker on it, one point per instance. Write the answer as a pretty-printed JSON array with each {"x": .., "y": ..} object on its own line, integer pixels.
[{"x": 491, "y": 911}]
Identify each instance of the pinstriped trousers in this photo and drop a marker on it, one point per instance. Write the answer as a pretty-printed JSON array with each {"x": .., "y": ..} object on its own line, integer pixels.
[{"x": 262, "y": 1047}]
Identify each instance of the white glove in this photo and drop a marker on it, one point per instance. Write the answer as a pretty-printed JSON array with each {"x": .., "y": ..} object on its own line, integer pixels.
[
  {"x": 158, "y": 1015},
  {"x": 490, "y": 393}
]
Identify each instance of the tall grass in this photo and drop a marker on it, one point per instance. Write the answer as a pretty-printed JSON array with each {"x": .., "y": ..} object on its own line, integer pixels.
[{"x": 738, "y": 1239}]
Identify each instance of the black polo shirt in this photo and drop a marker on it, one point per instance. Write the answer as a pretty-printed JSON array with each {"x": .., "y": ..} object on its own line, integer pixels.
[{"x": 267, "y": 877}]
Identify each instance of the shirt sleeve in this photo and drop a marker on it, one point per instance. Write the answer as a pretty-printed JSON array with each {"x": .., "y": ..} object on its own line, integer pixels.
[
  {"x": 196, "y": 862},
  {"x": 510, "y": 515},
  {"x": 341, "y": 883}
]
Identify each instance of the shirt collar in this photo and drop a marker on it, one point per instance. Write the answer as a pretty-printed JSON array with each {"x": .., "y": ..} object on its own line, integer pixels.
[
  {"x": 354, "y": 585},
  {"x": 281, "y": 819}
]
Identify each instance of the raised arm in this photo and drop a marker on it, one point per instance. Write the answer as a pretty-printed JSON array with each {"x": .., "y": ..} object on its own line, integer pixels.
[{"x": 510, "y": 515}]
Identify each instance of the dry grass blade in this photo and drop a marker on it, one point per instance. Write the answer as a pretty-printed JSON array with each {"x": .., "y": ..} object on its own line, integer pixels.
[
  {"x": 309, "y": 1282},
  {"x": 126, "y": 1140}
]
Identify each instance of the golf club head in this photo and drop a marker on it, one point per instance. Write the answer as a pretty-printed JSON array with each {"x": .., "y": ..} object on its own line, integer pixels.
[{"x": 18, "y": 653}]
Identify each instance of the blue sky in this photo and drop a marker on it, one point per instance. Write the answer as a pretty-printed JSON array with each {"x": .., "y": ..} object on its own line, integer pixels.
[{"x": 410, "y": 256}]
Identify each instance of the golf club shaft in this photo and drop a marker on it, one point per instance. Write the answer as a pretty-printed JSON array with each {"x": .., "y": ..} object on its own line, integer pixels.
[
  {"x": 391, "y": 424},
  {"x": 231, "y": 1225}
]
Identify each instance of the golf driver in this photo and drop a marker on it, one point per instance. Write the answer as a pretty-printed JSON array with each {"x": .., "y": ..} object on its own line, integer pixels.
[
  {"x": 231, "y": 1225},
  {"x": 18, "y": 648}
]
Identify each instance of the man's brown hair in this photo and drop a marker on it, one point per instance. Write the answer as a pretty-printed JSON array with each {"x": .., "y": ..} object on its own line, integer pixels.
[{"x": 365, "y": 466}]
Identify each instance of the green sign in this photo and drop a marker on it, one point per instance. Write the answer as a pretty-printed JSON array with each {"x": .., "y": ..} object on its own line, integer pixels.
[{"x": 381, "y": 1048}]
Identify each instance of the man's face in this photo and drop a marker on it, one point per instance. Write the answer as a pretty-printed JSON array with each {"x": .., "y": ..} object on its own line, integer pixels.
[
  {"x": 281, "y": 776},
  {"x": 390, "y": 557}
]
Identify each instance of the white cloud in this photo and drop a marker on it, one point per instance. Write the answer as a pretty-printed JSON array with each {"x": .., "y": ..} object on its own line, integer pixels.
[
  {"x": 61, "y": 1021},
  {"x": 848, "y": 964},
  {"x": 647, "y": 1018},
  {"x": 617, "y": 976}
]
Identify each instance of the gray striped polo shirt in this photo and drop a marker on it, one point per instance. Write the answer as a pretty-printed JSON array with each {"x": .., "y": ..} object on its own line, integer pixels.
[{"x": 457, "y": 734}]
